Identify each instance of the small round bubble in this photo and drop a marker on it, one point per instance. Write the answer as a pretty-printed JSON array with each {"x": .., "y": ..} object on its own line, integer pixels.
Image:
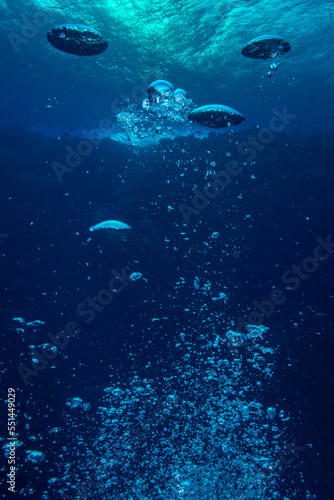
[
  {"x": 271, "y": 412},
  {"x": 146, "y": 104}
]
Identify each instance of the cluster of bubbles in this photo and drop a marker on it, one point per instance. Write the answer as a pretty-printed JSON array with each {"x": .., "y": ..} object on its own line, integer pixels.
[
  {"x": 164, "y": 102},
  {"x": 197, "y": 426},
  {"x": 175, "y": 113},
  {"x": 161, "y": 93},
  {"x": 194, "y": 422},
  {"x": 163, "y": 113},
  {"x": 199, "y": 429}
]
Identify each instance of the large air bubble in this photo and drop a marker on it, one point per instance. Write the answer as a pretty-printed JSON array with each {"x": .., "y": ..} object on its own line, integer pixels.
[
  {"x": 265, "y": 47},
  {"x": 77, "y": 39},
  {"x": 160, "y": 92},
  {"x": 216, "y": 116}
]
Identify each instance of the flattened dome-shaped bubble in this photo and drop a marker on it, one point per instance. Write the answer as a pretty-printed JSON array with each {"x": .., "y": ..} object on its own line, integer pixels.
[
  {"x": 110, "y": 224},
  {"x": 160, "y": 91},
  {"x": 77, "y": 39},
  {"x": 216, "y": 116},
  {"x": 265, "y": 47}
]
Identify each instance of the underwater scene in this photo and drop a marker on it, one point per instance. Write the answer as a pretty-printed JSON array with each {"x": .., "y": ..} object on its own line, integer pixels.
[{"x": 167, "y": 249}]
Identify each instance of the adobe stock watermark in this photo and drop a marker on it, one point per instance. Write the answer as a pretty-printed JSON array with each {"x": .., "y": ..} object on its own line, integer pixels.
[
  {"x": 289, "y": 454},
  {"x": 87, "y": 310},
  {"x": 29, "y": 29},
  {"x": 94, "y": 137},
  {"x": 293, "y": 278},
  {"x": 74, "y": 157},
  {"x": 249, "y": 148}
]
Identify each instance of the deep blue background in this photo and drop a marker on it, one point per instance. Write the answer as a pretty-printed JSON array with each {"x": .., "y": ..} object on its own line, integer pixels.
[{"x": 48, "y": 256}]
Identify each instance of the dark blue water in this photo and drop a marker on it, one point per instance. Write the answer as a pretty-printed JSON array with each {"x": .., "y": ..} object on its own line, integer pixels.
[
  {"x": 268, "y": 219},
  {"x": 210, "y": 376}
]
